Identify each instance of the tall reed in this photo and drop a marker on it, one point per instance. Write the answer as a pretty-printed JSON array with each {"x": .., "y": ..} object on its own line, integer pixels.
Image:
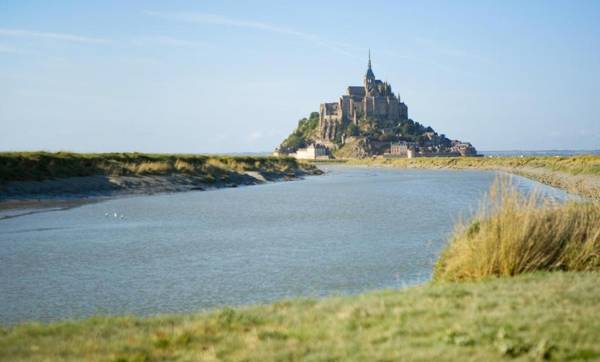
[{"x": 514, "y": 234}]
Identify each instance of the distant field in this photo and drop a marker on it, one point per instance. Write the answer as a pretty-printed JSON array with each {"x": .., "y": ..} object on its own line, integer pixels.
[
  {"x": 575, "y": 165},
  {"x": 39, "y": 166},
  {"x": 538, "y": 153}
]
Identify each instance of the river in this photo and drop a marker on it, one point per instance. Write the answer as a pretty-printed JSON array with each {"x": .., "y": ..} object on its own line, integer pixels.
[{"x": 348, "y": 231}]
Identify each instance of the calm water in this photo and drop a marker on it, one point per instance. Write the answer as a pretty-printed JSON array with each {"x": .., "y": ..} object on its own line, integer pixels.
[{"x": 345, "y": 232}]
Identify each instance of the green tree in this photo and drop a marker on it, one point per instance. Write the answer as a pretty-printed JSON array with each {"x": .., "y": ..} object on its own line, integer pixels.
[
  {"x": 352, "y": 130},
  {"x": 302, "y": 134}
]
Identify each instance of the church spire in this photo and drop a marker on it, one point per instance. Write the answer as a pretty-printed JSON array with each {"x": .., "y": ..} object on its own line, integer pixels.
[{"x": 370, "y": 74}]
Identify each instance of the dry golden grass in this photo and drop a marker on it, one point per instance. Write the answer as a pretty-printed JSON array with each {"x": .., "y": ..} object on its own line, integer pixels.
[
  {"x": 514, "y": 234},
  {"x": 150, "y": 168},
  {"x": 575, "y": 165},
  {"x": 184, "y": 166}
]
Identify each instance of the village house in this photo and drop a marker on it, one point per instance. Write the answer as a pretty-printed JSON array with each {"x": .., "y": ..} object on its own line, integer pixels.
[{"x": 401, "y": 149}]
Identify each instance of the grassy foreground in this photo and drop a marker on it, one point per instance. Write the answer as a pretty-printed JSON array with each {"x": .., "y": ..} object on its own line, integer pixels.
[
  {"x": 39, "y": 166},
  {"x": 577, "y": 174},
  {"x": 552, "y": 316}
]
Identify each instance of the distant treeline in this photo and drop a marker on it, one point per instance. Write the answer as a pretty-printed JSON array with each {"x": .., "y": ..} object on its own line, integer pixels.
[{"x": 39, "y": 166}]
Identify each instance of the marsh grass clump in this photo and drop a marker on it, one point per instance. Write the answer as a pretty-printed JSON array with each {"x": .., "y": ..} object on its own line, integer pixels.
[{"x": 514, "y": 234}]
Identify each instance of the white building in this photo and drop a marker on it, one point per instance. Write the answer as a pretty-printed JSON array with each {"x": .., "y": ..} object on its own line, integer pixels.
[{"x": 312, "y": 152}]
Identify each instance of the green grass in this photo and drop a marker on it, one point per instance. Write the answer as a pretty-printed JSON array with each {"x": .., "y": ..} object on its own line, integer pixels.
[
  {"x": 38, "y": 166},
  {"x": 552, "y": 316}
]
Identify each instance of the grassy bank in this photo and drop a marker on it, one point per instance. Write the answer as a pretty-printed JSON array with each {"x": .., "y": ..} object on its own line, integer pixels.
[
  {"x": 577, "y": 174},
  {"x": 552, "y": 316},
  {"x": 575, "y": 165},
  {"x": 514, "y": 234},
  {"x": 39, "y": 166}
]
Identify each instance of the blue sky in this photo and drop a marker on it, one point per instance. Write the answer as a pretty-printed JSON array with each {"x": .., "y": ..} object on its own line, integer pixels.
[{"x": 235, "y": 76}]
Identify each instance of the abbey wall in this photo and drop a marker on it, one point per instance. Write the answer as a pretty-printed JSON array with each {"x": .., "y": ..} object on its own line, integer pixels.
[{"x": 373, "y": 100}]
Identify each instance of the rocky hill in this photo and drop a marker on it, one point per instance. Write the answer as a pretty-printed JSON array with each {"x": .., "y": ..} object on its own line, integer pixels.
[
  {"x": 370, "y": 137},
  {"x": 368, "y": 120}
]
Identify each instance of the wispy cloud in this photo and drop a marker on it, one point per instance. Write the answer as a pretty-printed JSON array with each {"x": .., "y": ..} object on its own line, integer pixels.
[
  {"x": 7, "y": 49},
  {"x": 153, "y": 40},
  {"x": 213, "y": 19},
  {"x": 21, "y": 33},
  {"x": 165, "y": 40},
  {"x": 197, "y": 17}
]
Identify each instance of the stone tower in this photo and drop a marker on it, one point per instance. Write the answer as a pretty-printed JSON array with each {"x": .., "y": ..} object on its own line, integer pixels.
[
  {"x": 373, "y": 100},
  {"x": 370, "y": 80}
]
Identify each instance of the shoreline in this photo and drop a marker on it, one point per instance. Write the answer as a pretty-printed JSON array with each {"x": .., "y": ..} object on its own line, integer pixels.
[
  {"x": 551, "y": 171},
  {"x": 16, "y": 208},
  {"x": 32, "y": 182},
  {"x": 20, "y": 198}
]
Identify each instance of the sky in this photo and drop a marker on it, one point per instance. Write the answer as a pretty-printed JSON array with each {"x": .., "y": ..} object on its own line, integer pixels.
[{"x": 236, "y": 76}]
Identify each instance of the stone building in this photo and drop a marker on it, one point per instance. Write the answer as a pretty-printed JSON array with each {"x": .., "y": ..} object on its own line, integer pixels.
[
  {"x": 373, "y": 100},
  {"x": 401, "y": 149}
]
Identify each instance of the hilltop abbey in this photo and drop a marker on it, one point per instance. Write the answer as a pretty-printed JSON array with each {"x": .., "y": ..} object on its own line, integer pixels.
[
  {"x": 369, "y": 120},
  {"x": 374, "y": 99}
]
